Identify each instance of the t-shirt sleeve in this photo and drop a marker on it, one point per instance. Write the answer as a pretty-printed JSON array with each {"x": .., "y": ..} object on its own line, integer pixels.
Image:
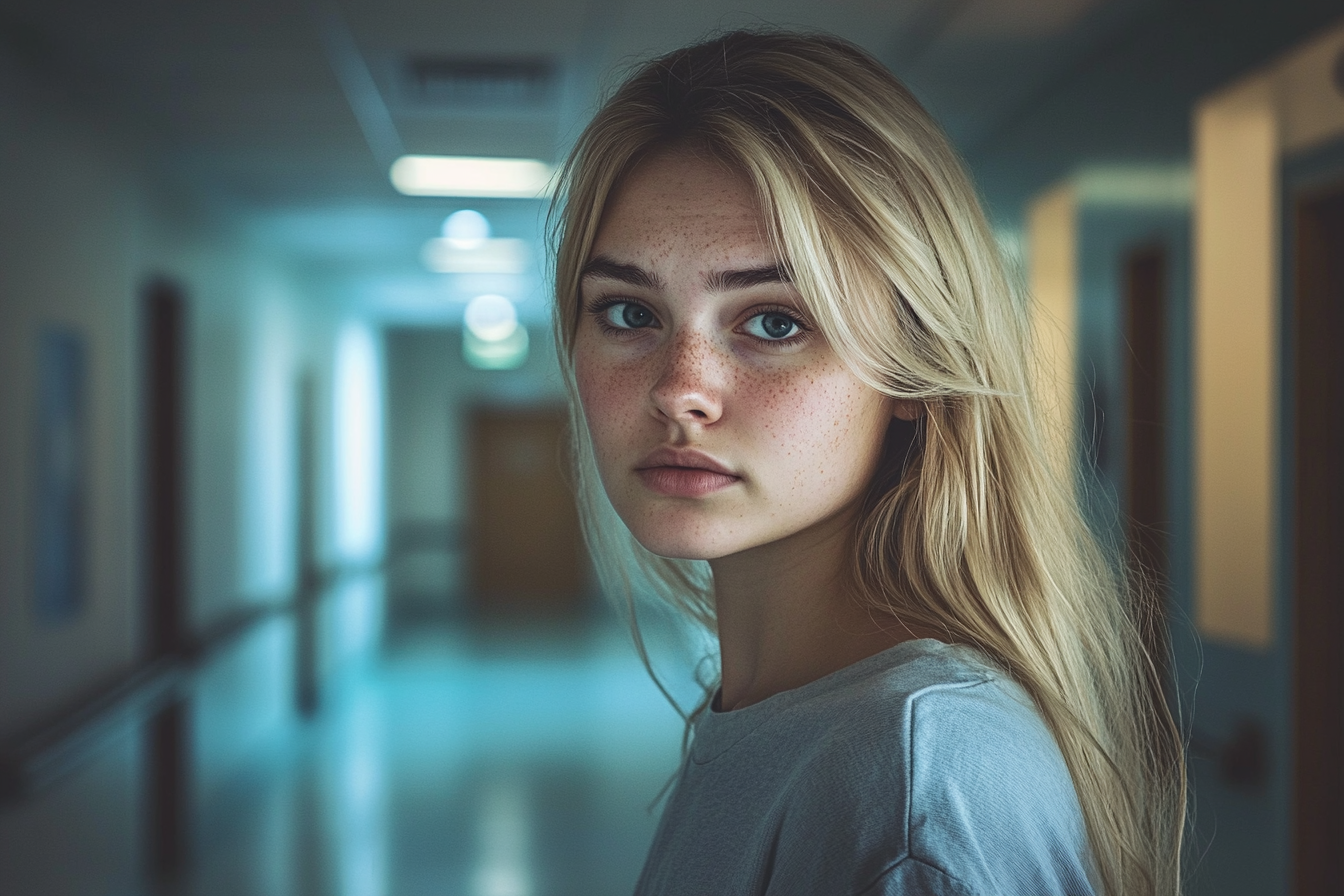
[{"x": 992, "y": 804}]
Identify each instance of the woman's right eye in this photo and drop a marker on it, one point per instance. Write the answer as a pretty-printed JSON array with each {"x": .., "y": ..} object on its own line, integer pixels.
[{"x": 628, "y": 316}]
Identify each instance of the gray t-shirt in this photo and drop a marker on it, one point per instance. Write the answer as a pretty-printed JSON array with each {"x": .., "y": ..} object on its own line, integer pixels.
[{"x": 919, "y": 770}]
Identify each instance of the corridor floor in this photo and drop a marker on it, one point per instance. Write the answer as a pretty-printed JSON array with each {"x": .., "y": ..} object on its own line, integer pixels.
[{"x": 497, "y": 763}]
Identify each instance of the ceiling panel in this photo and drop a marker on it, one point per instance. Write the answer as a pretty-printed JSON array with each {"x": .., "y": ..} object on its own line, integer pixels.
[
  {"x": 467, "y": 27},
  {"x": 1005, "y": 20},
  {"x": 532, "y": 138}
]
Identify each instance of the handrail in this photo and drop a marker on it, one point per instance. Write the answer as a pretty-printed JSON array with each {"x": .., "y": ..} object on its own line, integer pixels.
[
  {"x": 43, "y": 755},
  {"x": 49, "y": 750}
]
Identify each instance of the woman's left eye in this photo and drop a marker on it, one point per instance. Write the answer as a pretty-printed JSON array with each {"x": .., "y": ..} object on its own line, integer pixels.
[{"x": 772, "y": 326}]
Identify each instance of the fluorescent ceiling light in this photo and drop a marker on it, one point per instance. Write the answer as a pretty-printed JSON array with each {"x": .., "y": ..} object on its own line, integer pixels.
[
  {"x": 471, "y": 176},
  {"x": 445, "y": 255}
]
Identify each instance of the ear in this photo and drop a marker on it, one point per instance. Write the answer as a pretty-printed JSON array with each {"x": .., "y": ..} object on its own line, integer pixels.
[{"x": 907, "y": 409}]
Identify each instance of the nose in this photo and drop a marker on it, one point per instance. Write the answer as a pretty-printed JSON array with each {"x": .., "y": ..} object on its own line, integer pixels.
[{"x": 689, "y": 389}]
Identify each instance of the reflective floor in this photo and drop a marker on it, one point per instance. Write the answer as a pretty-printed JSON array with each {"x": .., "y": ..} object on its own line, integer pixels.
[
  {"x": 479, "y": 762},
  {"x": 499, "y": 763}
]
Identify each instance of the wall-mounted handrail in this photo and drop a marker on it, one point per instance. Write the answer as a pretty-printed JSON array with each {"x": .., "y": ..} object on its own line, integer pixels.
[
  {"x": 51, "y": 749},
  {"x": 48, "y": 751}
]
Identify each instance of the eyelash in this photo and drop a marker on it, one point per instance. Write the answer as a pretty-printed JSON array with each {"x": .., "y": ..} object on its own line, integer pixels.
[
  {"x": 804, "y": 330},
  {"x": 598, "y": 308}
]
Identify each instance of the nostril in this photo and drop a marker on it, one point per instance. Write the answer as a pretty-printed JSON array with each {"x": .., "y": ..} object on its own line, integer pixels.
[{"x": 696, "y": 412}]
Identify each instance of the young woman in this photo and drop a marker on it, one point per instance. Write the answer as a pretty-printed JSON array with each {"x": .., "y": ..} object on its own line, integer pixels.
[{"x": 796, "y": 356}]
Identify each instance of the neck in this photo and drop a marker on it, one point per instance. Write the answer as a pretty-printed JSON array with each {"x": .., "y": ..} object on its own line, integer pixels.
[{"x": 787, "y": 614}]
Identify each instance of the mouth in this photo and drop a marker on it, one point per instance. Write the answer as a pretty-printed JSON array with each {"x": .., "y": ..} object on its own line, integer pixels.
[{"x": 684, "y": 473}]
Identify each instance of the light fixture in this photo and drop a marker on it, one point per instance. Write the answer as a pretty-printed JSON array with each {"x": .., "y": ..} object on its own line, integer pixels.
[
  {"x": 445, "y": 255},
  {"x": 492, "y": 338},
  {"x": 466, "y": 229},
  {"x": 472, "y": 176},
  {"x": 508, "y": 353},
  {"x": 491, "y": 318},
  {"x": 466, "y": 248}
]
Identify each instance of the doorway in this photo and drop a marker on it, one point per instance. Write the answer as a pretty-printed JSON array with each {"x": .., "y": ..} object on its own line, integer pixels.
[
  {"x": 1147, "y": 516},
  {"x": 526, "y": 553},
  {"x": 1317, "y": 374},
  {"x": 165, "y": 573}
]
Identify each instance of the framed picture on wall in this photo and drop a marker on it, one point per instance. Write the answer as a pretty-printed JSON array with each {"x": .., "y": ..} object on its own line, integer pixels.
[{"x": 60, "y": 463}]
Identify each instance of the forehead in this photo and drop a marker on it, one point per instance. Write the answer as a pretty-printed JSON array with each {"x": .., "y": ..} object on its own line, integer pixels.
[{"x": 677, "y": 203}]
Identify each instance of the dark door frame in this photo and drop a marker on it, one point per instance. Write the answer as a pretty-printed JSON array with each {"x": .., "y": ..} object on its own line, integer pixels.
[
  {"x": 1313, "y": 486},
  {"x": 167, "y": 753},
  {"x": 1146, "y": 268}
]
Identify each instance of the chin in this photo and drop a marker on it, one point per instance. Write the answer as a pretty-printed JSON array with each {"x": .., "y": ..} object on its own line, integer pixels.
[
  {"x": 682, "y": 542},
  {"x": 672, "y": 548}
]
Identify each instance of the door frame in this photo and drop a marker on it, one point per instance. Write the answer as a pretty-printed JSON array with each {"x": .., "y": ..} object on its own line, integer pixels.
[{"x": 1314, "y": 655}]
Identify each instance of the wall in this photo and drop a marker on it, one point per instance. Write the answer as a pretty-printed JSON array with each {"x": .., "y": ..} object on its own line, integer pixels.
[
  {"x": 1274, "y": 129},
  {"x": 70, "y": 222},
  {"x": 1290, "y": 117},
  {"x": 68, "y": 228},
  {"x": 84, "y": 225}
]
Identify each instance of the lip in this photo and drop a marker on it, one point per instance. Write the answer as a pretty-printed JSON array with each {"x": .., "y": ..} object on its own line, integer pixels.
[{"x": 684, "y": 473}]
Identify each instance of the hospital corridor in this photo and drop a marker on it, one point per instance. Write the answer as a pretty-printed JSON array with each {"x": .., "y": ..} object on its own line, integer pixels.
[{"x": 294, "y": 595}]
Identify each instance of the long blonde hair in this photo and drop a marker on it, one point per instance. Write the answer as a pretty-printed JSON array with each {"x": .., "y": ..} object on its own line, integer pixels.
[{"x": 975, "y": 530}]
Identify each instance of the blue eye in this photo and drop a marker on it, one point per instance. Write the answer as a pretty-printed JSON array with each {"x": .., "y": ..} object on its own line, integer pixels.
[
  {"x": 772, "y": 326},
  {"x": 628, "y": 316}
]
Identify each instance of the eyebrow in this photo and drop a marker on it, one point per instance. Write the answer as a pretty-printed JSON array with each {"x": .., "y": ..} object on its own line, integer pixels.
[
  {"x": 630, "y": 274},
  {"x": 723, "y": 281},
  {"x": 719, "y": 281}
]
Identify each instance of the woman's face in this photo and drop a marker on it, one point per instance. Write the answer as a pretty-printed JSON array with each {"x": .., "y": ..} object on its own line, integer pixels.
[{"x": 721, "y": 418}]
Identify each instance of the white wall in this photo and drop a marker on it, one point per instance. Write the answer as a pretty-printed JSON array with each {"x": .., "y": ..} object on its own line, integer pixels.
[
  {"x": 85, "y": 222},
  {"x": 69, "y": 228}
]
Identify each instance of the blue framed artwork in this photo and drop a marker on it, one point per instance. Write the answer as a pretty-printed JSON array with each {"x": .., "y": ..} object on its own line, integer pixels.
[{"x": 61, "y": 497}]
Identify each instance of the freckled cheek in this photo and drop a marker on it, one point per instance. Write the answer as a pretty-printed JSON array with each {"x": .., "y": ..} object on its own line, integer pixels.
[
  {"x": 609, "y": 398},
  {"x": 796, "y": 410},
  {"x": 827, "y": 427}
]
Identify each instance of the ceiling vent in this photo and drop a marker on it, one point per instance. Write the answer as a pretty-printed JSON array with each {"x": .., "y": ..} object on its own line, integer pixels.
[{"x": 479, "y": 85}]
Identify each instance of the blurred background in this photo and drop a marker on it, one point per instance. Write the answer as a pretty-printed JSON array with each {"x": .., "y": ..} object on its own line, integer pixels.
[{"x": 292, "y": 599}]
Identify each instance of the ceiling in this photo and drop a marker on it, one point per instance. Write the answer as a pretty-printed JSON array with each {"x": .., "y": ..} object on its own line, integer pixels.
[
  {"x": 250, "y": 91},
  {"x": 292, "y": 111}
]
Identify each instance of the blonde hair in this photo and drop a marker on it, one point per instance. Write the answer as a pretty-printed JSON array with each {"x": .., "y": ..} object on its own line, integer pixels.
[{"x": 975, "y": 530}]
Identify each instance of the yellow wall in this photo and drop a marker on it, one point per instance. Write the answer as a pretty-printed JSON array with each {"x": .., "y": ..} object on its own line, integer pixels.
[
  {"x": 1052, "y": 234},
  {"x": 1241, "y": 134},
  {"x": 1235, "y": 361}
]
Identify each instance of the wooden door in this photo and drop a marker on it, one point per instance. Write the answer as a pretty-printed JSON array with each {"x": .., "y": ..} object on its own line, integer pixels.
[
  {"x": 526, "y": 550},
  {"x": 1317, "y": 371}
]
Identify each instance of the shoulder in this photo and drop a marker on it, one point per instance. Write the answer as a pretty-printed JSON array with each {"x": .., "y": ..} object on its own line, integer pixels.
[
  {"x": 934, "y": 700},
  {"x": 945, "y": 766},
  {"x": 991, "y": 800},
  {"x": 966, "y": 739}
]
